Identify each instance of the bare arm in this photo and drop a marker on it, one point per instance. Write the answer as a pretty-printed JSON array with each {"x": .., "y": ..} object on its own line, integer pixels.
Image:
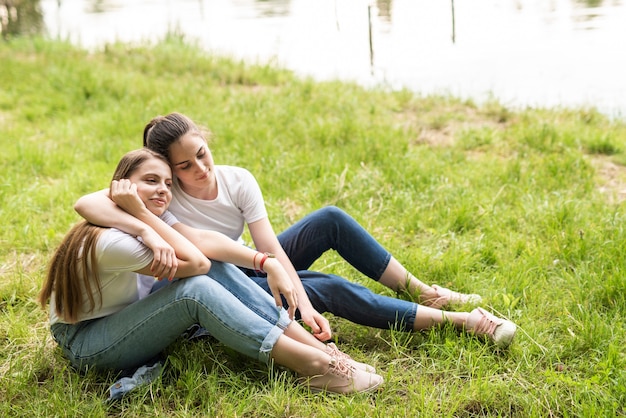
[
  {"x": 190, "y": 258},
  {"x": 99, "y": 209},
  {"x": 265, "y": 241},
  {"x": 221, "y": 248},
  {"x": 185, "y": 267}
]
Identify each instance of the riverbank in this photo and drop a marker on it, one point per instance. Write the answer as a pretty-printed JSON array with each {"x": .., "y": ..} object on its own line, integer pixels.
[
  {"x": 523, "y": 53},
  {"x": 523, "y": 207}
]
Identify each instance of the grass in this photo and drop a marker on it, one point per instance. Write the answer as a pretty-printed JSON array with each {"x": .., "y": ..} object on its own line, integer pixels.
[{"x": 521, "y": 205}]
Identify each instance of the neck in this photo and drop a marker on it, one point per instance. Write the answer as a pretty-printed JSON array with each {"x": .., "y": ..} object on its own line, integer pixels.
[{"x": 208, "y": 192}]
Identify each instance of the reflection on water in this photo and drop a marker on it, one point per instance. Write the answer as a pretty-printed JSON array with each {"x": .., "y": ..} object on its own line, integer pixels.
[
  {"x": 590, "y": 3},
  {"x": 384, "y": 10},
  {"x": 523, "y": 52}
]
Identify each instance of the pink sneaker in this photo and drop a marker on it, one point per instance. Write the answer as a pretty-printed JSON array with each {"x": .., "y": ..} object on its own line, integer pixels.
[
  {"x": 333, "y": 351},
  {"x": 343, "y": 378},
  {"x": 447, "y": 297},
  {"x": 481, "y": 322}
]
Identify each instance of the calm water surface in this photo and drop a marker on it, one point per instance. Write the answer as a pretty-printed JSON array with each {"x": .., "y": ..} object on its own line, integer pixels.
[{"x": 523, "y": 52}]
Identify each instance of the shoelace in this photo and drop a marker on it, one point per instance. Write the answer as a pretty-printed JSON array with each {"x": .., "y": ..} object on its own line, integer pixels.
[
  {"x": 486, "y": 324},
  {"x": 340, "y": 368},
  {"x": 442, "y": 299},
  {"x": 333, "y": 351}
]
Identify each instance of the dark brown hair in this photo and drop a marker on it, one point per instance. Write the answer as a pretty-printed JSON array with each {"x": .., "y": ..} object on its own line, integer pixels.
[{"x": 163, "y": 131}]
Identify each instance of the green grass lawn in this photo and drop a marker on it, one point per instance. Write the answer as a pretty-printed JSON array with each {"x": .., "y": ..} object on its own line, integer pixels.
[{"x": 524, "y": 206}]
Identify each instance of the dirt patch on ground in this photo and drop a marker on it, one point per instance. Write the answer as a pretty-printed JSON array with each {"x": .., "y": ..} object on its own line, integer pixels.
[
  {"x": 25, "y": 263},
  {"x": 440, "y": 131},
  {"x": 436, "y": 137},
  {"x": 611, "y": 178}
]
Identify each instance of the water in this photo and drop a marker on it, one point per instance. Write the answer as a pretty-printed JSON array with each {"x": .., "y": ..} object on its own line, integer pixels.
[{"x": 543, "y": 53}]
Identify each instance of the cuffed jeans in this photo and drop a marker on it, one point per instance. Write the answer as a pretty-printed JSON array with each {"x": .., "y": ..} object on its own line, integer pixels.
[
  {"x": 331, "y": 228},
  {"x": 226, "y": 304}
]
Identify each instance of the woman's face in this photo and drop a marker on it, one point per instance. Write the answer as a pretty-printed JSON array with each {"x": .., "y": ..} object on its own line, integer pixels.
[
  {"x": 154, "y": 185},
  {"x": 192, "y": 162}
]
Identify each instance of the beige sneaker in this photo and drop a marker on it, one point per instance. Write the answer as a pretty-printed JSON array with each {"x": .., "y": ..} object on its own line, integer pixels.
[
  {"x": 333, "y": 351},
  {"x": 343, "y": 378},
  {"x": 447, "y": 297},
  {"x": 481, "y": 322}
]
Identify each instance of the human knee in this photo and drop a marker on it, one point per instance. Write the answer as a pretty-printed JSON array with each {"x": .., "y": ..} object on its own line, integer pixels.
[
  {"x": 332, "y": 218},
  {"x": 196, "y": 287},
  {"x": 333, "y": 212},
  {"x": 200, "y": 295}
]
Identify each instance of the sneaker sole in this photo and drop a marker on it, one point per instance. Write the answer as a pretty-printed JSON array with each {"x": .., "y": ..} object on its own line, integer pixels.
[{"x": 504, "y": 334}]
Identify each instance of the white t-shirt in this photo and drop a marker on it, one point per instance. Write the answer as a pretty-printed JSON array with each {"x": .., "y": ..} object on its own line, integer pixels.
[
  {"x": 119, "y": 255},
  {"x": 239, "y": 201}
]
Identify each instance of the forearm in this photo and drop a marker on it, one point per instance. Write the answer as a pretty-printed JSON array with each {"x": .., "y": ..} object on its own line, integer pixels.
[
  {"x": 303, "y": 298},
  {"x": 219, "y": 247},
  {"x": 265, "y": 241},
  {"x": 185, "y": 249},
  {"x": 98, "y": 209},
  {"x": 281, "y": 256}
]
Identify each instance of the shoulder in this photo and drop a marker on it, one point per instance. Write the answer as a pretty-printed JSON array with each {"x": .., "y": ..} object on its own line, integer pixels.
[
  {"x": 233, "y": 171},
  {"x": 169, "y": 218},
  {"x": 113, "y": 238},
  {"x": 235, "y": 176}
]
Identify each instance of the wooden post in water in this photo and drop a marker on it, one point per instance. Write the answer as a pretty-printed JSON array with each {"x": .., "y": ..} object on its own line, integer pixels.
[
  {"x": 369, "y": 21},
  {"x": 453, "y": 28}
]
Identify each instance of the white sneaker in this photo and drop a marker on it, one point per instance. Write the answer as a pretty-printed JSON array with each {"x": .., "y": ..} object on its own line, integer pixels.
[
  {"x": 333, "y": 351},
  {"x": 481, "y": 322},
  {"x": 343, "y": 378}
]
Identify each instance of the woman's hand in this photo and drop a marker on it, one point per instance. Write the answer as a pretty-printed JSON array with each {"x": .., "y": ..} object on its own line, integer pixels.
[
  {"x": 320, "y": 327},
  {"x": 280, "y": 284},
  {"x": 277, "y": 279},
  {"x": 124, "y": 193},
  {"x": 165, "y": 263}
]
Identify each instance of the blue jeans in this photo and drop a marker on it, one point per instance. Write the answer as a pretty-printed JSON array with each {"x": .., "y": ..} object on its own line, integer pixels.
[
  {"x": 331, "y": 228},
  {"x": 226, "y": 303}
]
